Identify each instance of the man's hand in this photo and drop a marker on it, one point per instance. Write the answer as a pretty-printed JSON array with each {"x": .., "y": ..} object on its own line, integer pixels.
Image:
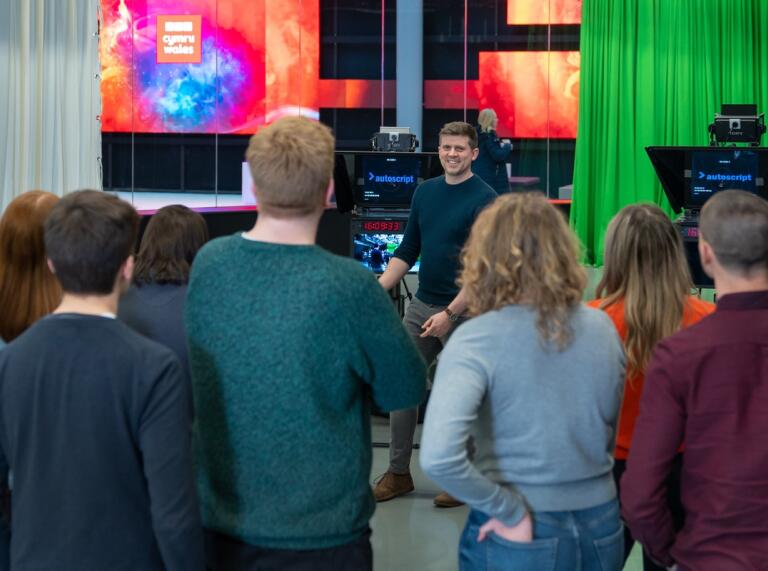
[
  {"x": 521, "y": 533},
  {"x": 437, "y": 325}
]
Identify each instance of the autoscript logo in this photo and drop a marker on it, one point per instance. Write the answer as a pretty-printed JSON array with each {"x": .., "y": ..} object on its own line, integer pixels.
[
  {"x": 725, "y": 177},
  {"x": 407, "y": 179}
]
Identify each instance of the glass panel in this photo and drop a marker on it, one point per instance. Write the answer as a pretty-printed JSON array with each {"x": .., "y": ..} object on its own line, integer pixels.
[
  {"x": 160, "y": 100},
  {"x": 241, "y": 84},
  {"x": 522, "y": 61},
  {"x": 564, "y": 70},
  {"x": 444, "y": 65},
  {"x": 284, "y": 68},
  {"x": 350, "y": 68},
  {"x": 116, "y": 53},
  {"x": 182, "y": 127}
]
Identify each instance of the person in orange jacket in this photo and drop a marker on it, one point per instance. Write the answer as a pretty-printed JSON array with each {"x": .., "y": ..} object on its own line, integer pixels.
[{"x": 646, "y": 291}]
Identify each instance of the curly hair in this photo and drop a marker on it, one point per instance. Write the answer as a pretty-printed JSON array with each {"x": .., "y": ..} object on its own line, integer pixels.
[{"x": 521, "y": 251}]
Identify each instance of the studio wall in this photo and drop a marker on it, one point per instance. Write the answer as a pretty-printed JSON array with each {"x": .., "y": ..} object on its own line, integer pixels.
[{"x": 183, "y": 85}]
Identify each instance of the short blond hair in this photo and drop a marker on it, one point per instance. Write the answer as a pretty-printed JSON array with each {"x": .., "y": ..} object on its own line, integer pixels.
[
  {"x": 521, "y": 251},
  {"x": 485, "y": 119},
  {"x": 291, "y": 162}
]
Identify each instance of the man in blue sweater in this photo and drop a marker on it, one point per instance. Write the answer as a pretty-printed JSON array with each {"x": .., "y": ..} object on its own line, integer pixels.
[
  {"x": 95, "y": 420},
  {"x": 442, "y": 213},
  {"x": 289, "y": 345}
]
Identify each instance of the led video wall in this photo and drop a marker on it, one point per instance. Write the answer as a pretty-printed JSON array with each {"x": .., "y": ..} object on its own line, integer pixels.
[
  {"x": 229, "y": 66},
  {"x": 206, "y": 66},
  {"x": 543, "y": 12}
]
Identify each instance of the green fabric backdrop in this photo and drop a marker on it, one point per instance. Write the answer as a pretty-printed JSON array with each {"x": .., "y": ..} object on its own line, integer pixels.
[{"x": 654, "y": 72}]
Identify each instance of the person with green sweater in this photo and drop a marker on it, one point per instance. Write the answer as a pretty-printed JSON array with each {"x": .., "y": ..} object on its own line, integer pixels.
[
  {"x": 289, "y": 348},
  {"x": 442, "y": 212}
]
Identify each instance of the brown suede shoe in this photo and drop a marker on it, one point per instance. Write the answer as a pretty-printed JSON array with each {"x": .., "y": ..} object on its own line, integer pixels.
[
  {"x": 445, "y": 500},
  {"x": 390, "y": 485}
]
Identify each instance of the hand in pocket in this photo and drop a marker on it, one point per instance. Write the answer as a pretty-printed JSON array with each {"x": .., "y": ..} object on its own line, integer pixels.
[{"x": 522, "y": 532}]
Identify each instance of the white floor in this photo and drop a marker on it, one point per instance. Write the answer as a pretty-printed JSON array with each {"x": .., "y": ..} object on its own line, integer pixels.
[{"x": 410, "y": 533}]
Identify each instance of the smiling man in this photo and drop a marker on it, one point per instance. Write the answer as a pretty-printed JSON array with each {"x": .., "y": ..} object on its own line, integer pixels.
[{"x": 442, "y": 213}]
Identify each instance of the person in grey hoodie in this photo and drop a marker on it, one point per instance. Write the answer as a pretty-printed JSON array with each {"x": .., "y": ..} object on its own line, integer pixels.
[{"x": 537, "y": 378}]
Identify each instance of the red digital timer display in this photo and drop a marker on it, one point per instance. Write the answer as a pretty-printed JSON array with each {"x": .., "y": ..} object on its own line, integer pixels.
[{"x": 383, "y": 226}]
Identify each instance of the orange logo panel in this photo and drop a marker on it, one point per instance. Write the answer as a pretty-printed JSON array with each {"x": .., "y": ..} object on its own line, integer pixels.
[{"x": 179, "y": 39}]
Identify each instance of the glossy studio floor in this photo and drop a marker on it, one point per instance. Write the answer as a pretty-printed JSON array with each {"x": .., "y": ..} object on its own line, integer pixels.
[{"x": 409, "y": 533}]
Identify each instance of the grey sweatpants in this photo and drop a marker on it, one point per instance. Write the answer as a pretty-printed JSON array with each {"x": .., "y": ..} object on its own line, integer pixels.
[{"x": 402, "y": 423}]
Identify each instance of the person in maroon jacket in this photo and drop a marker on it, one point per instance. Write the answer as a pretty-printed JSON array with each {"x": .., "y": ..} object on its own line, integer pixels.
[{"x": 707, "y": 387}]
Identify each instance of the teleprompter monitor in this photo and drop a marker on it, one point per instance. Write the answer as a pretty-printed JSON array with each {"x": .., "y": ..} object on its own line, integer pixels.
[
  {"x": 723, "y": 169},
  {"x": 385, "y": 180},
  {"x": 356, "y": 184},
  {"x": 690, "y": 175}
]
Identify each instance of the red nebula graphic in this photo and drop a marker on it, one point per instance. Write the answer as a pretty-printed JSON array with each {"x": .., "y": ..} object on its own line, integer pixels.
[
  {"x": 260, "y": 60},
  {"x": 535, "y": 94}
]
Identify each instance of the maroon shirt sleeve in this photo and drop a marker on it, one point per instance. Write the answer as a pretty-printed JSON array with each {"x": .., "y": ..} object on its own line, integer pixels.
[{"x": 658, "y": 434}]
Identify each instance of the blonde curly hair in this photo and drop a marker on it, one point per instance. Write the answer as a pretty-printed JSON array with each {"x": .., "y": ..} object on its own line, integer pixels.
[{"x": 521, "y": 251}]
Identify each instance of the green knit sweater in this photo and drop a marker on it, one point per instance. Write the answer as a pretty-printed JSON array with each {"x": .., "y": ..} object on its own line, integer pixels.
[{"x": 288, "y": 345}]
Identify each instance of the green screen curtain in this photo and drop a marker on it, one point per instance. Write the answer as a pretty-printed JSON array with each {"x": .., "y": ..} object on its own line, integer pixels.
[{"x": 654, "y": 72}]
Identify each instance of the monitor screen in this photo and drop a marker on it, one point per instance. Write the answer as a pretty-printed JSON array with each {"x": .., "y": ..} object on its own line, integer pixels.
[
  {"x": 720, "y": 170},
  {"x": 374, "y": 251},
  {"x": 386, "y": 180},
  {"x": 738, "y": 109}
]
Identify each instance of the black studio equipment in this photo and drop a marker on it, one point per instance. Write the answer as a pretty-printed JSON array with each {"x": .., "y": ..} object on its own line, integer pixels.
[
  {"x": 737, "y": 124},
  {"x": 691, "y": 175},
  {"x": 394, "y": 139},
  {"x": 377, "y": 187}
]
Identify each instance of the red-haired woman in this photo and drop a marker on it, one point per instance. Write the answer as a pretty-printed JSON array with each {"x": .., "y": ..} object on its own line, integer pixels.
[{"x": 28, "y": 289}]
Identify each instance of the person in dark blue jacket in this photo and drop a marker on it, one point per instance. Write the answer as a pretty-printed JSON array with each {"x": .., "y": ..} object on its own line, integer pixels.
[
  {"x": 490, "y": 164},
  {"x": 154, "y": 305},
  {"x": 95, "y": 420}
]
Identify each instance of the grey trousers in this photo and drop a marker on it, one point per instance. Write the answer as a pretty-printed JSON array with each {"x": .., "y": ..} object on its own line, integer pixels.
[{"x": 402, "y": 423}]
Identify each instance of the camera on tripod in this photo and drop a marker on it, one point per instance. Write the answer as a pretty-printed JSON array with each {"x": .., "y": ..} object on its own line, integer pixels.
[
  {"x": 737, "y": 124},
  {"x": 394, "y": 140}
]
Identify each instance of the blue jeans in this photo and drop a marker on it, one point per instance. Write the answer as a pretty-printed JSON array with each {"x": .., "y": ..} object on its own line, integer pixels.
[{"x": 583, "y": 540}]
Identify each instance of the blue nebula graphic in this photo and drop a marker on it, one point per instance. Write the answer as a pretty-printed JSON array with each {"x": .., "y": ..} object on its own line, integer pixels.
[{"x": 184, "y": 96}]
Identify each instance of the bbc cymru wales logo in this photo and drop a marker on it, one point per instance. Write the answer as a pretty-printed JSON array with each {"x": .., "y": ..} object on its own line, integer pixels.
[
  {"x": 179, "y": 39},
  {"x": 403, "y": 179},
  {"x": 725, "y": 177}
]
